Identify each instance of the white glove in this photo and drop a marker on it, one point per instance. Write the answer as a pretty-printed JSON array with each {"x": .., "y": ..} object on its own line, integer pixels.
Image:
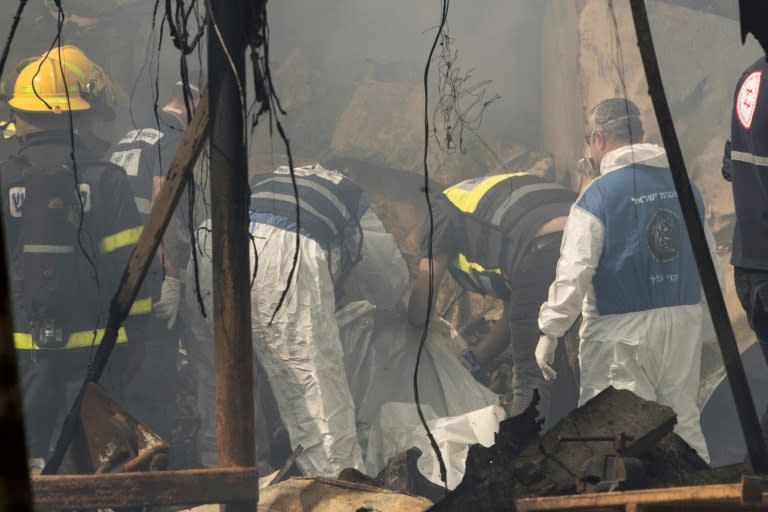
[
  {"x": 170, "y": 298},
  {"x": 545, "y": 356}
]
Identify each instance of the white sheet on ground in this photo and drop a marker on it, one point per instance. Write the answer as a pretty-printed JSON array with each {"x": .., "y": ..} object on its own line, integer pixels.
[
  {"x": 380, "y": 355},
  {"x": 399, "y": 429}
]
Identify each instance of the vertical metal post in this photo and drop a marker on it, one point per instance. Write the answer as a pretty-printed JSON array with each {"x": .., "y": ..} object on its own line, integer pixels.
[
  {"x": 230, "y": 198},
  {"x": 15, "y": 493},
  {"x": 725, "y": 337}
]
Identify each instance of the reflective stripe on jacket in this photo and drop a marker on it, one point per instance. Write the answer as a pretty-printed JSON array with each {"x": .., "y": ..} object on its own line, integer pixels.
[
  {"x": 23, "y": 340},
  {"x": 749, "y": 168},
  {"x": 98, "y": 251},
  {"x": 331, "y": 206},
  {"x": 493, "y": 210}
]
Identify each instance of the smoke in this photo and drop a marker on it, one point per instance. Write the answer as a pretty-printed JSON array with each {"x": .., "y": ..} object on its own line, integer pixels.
[{"x": 346, "y": 43}]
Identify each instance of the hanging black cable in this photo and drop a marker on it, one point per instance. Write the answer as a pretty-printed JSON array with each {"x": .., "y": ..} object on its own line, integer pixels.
[
  {"x": 11, "y": 34},
  {"x": 430, "y": 294}
]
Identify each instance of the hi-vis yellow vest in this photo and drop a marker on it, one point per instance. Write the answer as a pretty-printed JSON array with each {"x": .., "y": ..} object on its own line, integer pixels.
[
  {"x": 480, "y": 275},
  {"x": 492, "y": 236}
]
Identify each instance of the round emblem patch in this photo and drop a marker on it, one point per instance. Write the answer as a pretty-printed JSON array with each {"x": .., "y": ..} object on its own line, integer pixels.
[
  {"x": 664, "y": 235},
  {"x": 746, "y": 100}
]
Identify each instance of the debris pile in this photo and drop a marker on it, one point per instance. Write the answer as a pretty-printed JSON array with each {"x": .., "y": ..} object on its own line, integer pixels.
[{"x": 615, "y": 441}]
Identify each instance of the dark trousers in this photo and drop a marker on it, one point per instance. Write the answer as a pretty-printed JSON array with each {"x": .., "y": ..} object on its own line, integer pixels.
[
  {"x": 50, "y": 380},
  {"x": 752, "y": 290},
  {"x": 152, "y": 394},
  {"x": 530, "y": 286}
]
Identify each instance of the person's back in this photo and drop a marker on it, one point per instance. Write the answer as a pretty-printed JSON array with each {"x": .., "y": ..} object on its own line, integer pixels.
[
  {"x": 296, "y": 337},
  {"x": 43, "y": 169},
  {"x": 745, "y": 163},
  {"x": 496, "y": 217},
  {"x": 330, "y": 211},
  {"x": 627, "y": 266},
  {"x": 146, "y": 153},
  {"x": 749, "y": 160},
  {"x": 499, "y": 236},
  {"x": 647, "y": 261},
  {"x": 70, "y": 225}
]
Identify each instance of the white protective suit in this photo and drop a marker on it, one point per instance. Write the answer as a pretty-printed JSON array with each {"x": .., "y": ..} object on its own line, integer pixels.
[
  {"x": 300, "y": 352},
  {"x": 626, "y": 265}
]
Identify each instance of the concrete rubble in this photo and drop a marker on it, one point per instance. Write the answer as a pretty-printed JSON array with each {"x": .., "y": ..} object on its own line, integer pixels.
[
  {"x": 327, "y": 495},
  {"x": 618, "y": 433}
]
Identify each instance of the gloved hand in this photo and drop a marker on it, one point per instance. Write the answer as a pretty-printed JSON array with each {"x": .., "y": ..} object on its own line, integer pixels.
[
  {"x": 545, "y": 356},
  {"x": 170, "y": 298}
]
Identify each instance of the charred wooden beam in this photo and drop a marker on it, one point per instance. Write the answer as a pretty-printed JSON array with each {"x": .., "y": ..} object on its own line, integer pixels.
[
  {"x": 742, "y": 396},
  {"x": 111, "y": 440},
  {"x": 141, "y": 258},
  {"x": 677, "y": 498},
  {"x": 230, "y": 221},
  {"x": 187, "y": 487}
]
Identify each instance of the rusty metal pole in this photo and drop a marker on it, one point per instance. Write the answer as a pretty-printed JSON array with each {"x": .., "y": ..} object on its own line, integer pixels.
[
  {"x": 230, "y": 198},
  {"x": 725, "y": 337},
  {"x": 15, "y": 493}
]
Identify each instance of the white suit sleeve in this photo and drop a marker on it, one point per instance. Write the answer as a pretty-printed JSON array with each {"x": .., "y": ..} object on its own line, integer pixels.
[
  {"x": 579, "y": 256},
  {"x": 381, "y": 275}
]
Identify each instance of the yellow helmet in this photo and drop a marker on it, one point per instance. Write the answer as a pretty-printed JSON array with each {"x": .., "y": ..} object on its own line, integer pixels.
[
  {"x": 40, "y": 88},
  {"x": 94, "y": 83}
]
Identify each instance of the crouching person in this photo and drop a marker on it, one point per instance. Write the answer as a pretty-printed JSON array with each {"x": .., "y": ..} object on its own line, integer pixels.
[{"x": 295, "y": 334}]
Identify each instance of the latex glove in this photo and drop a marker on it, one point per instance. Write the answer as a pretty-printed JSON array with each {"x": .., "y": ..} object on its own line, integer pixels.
[
  {"x": 170, "y": 298},
  {"x": 545, "y": 356}
]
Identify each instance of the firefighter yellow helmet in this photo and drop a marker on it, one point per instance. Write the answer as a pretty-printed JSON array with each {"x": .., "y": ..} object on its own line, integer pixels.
[
  {"x": 40, "y": 87},
  {"x": 94, "y": 83}
]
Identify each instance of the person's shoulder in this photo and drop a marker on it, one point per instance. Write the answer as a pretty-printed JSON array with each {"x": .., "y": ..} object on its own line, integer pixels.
[
  {"x": 605, "y": 189},
  {"x": 13, "y": 162},
  {"x": 591, "y": 198},
  {"x": 754, "y": 73},
  {"x": 103, "y": 170},
  {"x": 761, "y": 64},
  {"x": 11, "y": 168}
]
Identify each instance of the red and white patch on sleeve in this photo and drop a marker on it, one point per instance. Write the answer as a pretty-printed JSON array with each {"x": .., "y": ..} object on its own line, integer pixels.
[{"x": 746, "y": 100}]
